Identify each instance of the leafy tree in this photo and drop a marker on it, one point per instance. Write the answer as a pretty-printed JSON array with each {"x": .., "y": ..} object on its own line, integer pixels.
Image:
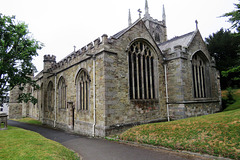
[
  {"x": 234, "y": 18},
  {"x": 223, "y": 46},
  {"x": 234, "y": 73},
  {"x": 233, "y": 76},
  {"x": 17, "y": 49}
]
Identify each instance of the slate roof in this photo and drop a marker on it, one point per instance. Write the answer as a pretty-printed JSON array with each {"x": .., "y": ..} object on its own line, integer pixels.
[{"x": 183, "y": 40}]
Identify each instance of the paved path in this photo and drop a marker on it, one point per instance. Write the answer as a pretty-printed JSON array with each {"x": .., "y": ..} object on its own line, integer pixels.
[{"x": 100, "y": 149}]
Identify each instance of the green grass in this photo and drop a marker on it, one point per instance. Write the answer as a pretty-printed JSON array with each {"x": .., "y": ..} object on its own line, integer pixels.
[
  {"x": 20, "y": 144},
  {"x": 236, "y": 96},
  {"x": 216, "y": 134},
  {"x": 28, "y": 120}
]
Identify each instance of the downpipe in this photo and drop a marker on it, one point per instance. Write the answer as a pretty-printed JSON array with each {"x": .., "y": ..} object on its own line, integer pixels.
[
  {"x": 55, "y": 102},
  {"x": 94, "y": 95},
  {"x": 166, "y": 86}
]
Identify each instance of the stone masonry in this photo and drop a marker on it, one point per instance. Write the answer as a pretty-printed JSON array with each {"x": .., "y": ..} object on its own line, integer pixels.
[{"x": 95, "y": 99}]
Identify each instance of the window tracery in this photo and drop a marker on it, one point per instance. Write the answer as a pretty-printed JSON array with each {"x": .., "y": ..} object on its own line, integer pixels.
[
  {"x": 83, "y": 85},
  {"x": 141, "y": 71},
  {"x": 200, "y": 73},
  {"x": 62, "y": 93}
]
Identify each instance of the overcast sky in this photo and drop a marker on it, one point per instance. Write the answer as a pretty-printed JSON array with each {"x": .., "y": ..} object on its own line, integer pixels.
[{"x": 62, "y": 24}]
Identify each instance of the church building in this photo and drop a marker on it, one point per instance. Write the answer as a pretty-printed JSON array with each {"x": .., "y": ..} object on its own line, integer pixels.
[{"x": 134, "y": 77}]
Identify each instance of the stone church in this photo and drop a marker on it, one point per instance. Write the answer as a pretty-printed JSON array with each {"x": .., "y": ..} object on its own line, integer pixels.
[{"x": 133, "y": 77}]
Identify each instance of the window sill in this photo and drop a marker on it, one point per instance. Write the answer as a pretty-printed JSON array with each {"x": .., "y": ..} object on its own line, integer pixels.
[{"x": 144, "y": 100}]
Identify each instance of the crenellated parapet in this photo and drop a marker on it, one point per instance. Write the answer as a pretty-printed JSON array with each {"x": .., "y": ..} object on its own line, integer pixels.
[
  {"x": 78, "y": 55},
  {"x": 49, "y": 58},
  {"x": 48, "y": 61}
]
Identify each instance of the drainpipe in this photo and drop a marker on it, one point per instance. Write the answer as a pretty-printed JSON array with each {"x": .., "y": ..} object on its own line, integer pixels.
[
  {"x": 94, "y": 95},
  {"x": 55, "y": 104},
  {"x": 166, "y": 86}
]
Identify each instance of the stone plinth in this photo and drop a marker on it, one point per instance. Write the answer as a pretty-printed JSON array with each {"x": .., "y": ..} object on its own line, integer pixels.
[{"x": 3, "y": 119}]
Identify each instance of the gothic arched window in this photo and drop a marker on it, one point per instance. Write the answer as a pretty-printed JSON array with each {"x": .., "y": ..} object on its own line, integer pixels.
[
  {"x": 61, "y": 93},
  {"x": 83, "y": 85},
  {"x": 201, "y": 77},
  {"x": 141, "y": 71},
  {"x": 50, "y": 95}
]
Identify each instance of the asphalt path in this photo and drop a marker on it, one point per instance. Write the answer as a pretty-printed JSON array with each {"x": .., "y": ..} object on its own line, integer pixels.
[{"x": 101, "y": 149}]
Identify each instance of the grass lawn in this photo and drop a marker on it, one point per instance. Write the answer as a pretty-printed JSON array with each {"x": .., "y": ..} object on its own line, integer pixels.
[
  {"x": 236, "y": 96},
  {"x": 28, "y": 120},
  {"x": 217, "y": 134},
  {"x": 20, "y": 144}
]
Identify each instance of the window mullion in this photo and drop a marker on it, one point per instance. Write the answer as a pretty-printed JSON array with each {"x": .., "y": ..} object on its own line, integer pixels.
[
  {"x": 150, "y": 72},
  {"x": 147, "y": 87},
  {"x": 137, "y": 77},
  {"x": 203, "y": 81},
  {"x": 81, "y": 96},
  {"x": 133, "y": 77},
  {"x": 196, "y": 75},
  {"x": 142, "y": 74},
  {"x": 153, "y": 76}
]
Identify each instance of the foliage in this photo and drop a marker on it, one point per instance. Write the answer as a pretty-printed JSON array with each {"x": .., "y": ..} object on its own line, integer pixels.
[
  {"x": 233, "y": 74},
  {"x": 216, "y": 134},
  {"x": 223, "y": 46},
  {"x": 228, "y": 98},
  {"x": 236, "y": 97},
  {"x": 17, "y": 49},
  {"x": 230, "y": 95},
  {"x": 17, "y": 143},
  {"x": 234, "y": 18}
]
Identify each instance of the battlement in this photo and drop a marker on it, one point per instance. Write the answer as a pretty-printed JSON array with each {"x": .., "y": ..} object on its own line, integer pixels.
[
  {"x": 90, "y": 47},
  {"x": 154, "y": 20},
  {"x": 49, "y": 58}
]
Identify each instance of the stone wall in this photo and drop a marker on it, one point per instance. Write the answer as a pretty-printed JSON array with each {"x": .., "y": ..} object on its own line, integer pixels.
[
  {"x": 121, "y": 112},
  {"x": 182, "y": 103},
  {"x": 115, "y": 110},
  {"x": 15, "y": 108},
  {"x": 192, "y": 109}
]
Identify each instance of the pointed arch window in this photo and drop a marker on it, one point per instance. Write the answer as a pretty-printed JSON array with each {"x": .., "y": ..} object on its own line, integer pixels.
[
  {"x": 83, "y": 86},
  {"x": 50, "y": 95},
  {"x": 141, "y": 71},
  {"x": 62, "y": 93},
  {"x": 201, "y": 76}
]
